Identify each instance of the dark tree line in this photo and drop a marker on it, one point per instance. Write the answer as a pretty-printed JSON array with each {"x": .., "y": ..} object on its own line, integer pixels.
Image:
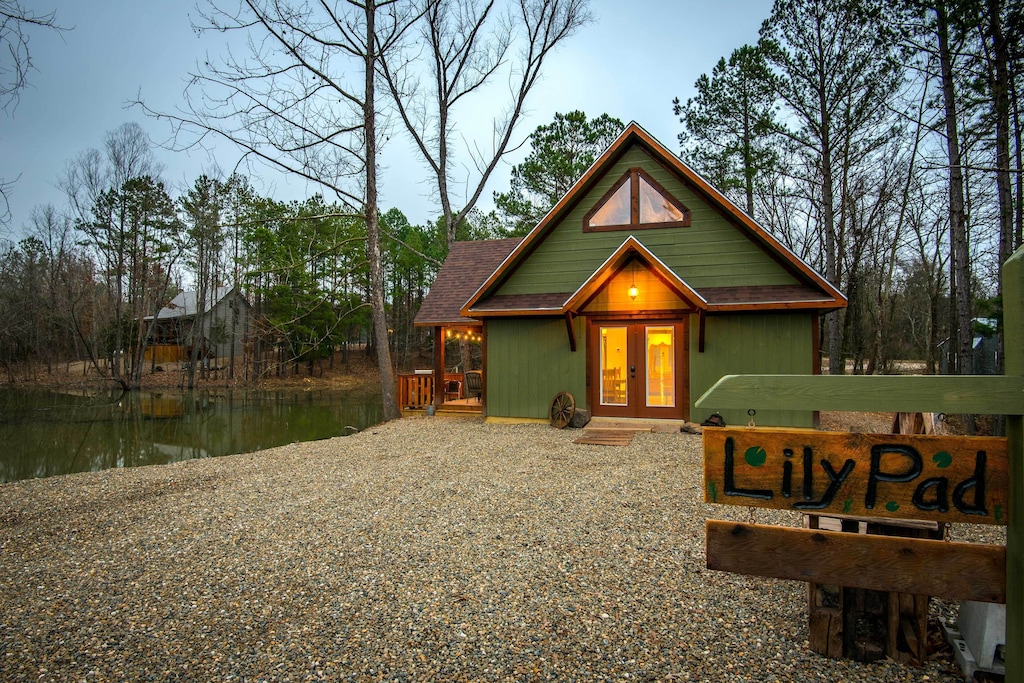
[{"x": 84, "y": 283}]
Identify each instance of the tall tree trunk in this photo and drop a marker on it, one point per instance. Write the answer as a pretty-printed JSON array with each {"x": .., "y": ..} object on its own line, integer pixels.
[
  {"x": 748, "y": 157},
  {"x": 1018, "y": 134},
  {"x": 960, "y": 270},
  {"x": 833, "y": 330},
  {"x": 1000, "y": 86},
  {"x": 389, "y": 393}
]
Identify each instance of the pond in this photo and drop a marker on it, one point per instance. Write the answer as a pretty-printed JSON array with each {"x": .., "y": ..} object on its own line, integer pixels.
[{"x": 45, "y": 433}]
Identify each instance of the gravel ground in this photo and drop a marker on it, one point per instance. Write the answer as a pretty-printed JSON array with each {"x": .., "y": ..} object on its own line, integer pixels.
[{"x": 424, "y": 549}]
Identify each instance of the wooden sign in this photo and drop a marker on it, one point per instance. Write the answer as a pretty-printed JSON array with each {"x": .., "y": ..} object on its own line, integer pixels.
[
  {"x": 940, "y": 478},
  {"x": 955, "y": 571}
]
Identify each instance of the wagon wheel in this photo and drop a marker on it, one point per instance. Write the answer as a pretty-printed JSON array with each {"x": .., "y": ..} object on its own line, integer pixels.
[{"x": 563, "y": 407}]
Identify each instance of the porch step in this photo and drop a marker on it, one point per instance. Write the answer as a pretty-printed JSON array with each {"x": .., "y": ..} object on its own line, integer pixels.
[
  {"x": 636, "y": 424},
  {"x": 460, "y": 408},
  {"x": 607, "y": 437}
]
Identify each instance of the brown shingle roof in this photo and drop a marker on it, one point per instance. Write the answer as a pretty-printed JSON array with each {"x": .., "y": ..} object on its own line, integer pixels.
[
  {"x": 523, "y": 302},
  {"x": 766, "y": 294},
  {"x": 718, "y": 299},
  {"x": 468, "y": 266}
]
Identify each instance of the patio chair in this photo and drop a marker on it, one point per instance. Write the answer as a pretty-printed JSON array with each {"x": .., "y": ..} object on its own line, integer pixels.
[
  {"x": 474, "y": 385},
  {"x": 452, "y": 389}
]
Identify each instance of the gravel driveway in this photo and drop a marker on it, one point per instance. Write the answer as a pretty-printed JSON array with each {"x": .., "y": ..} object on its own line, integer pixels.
[{"x": 424, "y": 549}]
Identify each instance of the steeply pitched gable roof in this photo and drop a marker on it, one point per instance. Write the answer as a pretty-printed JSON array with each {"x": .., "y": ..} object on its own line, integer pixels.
[
  {"x": 468, "y": 264},
  {"x": 186, "y": 303},
  {"x": 812, "y": 290}
]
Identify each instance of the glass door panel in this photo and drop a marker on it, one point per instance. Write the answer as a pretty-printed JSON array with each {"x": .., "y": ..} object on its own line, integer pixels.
[
  {"x": 661, "y": 371},
  {"x": 614, "y": 356},
  {"x": 638, "y": 369}
]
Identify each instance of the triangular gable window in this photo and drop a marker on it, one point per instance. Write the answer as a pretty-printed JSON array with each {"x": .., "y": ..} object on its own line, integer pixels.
[
  {"x": 636, "y": 201},
  {"x": 614, "y": 210}
]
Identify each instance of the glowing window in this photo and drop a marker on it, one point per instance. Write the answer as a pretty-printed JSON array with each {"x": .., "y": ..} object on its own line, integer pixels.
[
  {"x": 636, "y": 201},
  {"x": 661, "y": 367},
  {"x": 656, "y": 207},
  {"x": 615, "y": 209}
]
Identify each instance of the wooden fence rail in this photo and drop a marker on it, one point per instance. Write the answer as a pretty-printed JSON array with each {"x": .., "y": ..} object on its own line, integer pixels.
[{"x": 416, "y": 391}]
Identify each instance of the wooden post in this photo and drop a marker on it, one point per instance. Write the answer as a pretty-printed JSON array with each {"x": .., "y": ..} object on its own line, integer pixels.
[
  {"x": 439, "y": 361},
  {"x": 833, "y": 611},
  {"x": 1013, "y": 342}
]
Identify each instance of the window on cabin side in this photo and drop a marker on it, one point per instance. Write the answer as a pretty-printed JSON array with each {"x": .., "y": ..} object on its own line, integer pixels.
[{"x": 636, "y": 201}]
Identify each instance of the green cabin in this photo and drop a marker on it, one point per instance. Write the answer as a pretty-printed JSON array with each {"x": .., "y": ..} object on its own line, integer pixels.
[{"x": 636, "y": 292}]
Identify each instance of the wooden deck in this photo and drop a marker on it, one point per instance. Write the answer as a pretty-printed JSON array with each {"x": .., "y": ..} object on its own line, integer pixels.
[{"x": 416, "y": 393}]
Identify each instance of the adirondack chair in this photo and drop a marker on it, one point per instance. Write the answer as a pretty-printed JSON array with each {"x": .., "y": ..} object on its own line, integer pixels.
[{"x": 474, "y": 384}]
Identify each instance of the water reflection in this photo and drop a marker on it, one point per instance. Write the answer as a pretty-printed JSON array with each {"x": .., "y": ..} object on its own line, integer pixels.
[{"x": 45, "y": 433}]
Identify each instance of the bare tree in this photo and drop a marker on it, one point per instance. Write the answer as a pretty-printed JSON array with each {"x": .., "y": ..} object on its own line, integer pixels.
[
  {"x": 925, "y": 271},
  {"x": 1003, "y": 20},
  {"x": 127, "y": 219},
  {"x": 960, "y": 269},
  {"x": 469, "y": 43},
  {"x": 303, "y": 100},
  {"x": 16, "y": 24},
  {"x": 54, "y": 233}
]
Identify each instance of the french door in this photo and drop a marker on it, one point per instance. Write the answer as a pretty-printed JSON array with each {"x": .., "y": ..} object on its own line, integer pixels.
[{"x": 638, "y": 369}]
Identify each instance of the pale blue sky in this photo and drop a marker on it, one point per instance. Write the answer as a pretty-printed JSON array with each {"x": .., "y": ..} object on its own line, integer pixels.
[{"x": 630, "y": 64}]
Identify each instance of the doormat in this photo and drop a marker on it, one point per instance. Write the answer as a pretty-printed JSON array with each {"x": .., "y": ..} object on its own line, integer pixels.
[{"x": 607, "y": 437}]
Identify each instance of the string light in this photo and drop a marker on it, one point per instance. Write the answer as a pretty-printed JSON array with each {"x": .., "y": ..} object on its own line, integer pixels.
[{"x": 460, "y": 335}]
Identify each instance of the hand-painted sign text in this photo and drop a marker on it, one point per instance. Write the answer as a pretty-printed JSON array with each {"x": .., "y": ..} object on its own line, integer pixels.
[{"x": 959, "y": 479}]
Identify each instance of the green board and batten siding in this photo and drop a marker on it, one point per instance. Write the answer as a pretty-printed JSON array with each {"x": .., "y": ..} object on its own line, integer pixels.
[
  {"x": 529, "y": 361},
  {"x": 738, "y": 344},
  {"x": 710, "y": 253}
]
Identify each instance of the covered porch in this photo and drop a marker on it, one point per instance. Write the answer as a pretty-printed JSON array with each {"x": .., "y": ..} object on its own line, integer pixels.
[
  {"x": 418, "y": 391},
  {"x": 460, "y": 390},
  {"x": 460, "y": 359}
]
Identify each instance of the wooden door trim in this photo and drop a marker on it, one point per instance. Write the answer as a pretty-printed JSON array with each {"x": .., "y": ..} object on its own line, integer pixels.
[{"x": 682, "y": 350}]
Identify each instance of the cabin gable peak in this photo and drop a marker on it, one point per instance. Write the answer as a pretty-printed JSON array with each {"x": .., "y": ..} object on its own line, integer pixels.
[{"x": 639, "y": 185}]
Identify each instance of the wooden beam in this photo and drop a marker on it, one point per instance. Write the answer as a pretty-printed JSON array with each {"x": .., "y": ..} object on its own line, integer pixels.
[
  {"x": 982, "y": 394},
  {"x": 954, "y": 571},
  {"x": 570, "y": 331},
  {"x": 439, "y": 362},
  {"x": 701, "y": 322}
]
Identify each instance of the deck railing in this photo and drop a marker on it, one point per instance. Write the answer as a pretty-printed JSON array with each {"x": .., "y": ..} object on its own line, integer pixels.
[{"x": 416, "y": 391}]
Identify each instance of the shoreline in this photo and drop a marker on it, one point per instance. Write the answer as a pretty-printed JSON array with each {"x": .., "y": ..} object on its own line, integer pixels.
[
  {"x": 419, "y": 549},
  {"x": 360, "y": 373}
]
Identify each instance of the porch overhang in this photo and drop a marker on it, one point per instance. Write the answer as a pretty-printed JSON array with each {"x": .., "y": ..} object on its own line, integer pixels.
[{"x": 632, "y": 248}]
